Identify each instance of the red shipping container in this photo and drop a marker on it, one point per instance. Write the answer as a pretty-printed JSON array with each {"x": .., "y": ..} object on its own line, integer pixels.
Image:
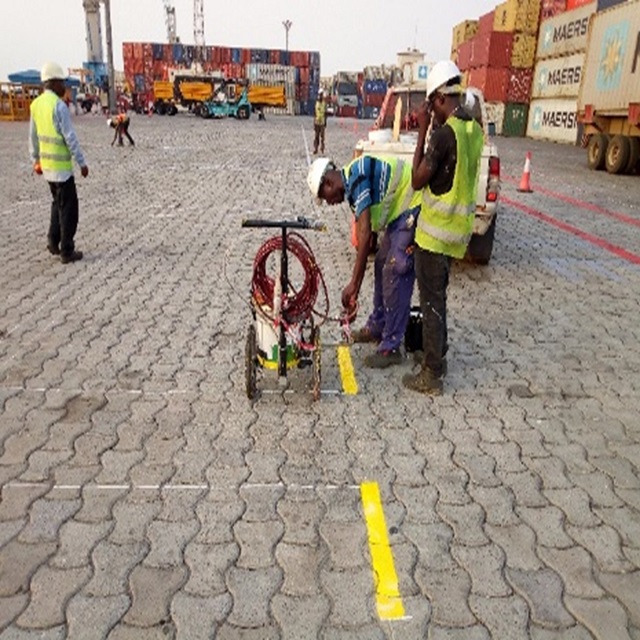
[
  {"x": 137, "y": 50},
  {"x": 492, "y": 82},
  {"x": 492, "y": 49},
  {"x": 574, "y": 4},
  {"x": 137, "y": 66},
  {"x": 551, "y": 8},
  {"x": 245, "y": 55},
  {"x": 464, "y": 55},
  {"x": 167, "y": 53},
  {"x": 127, "y": 50},
  {"x": 519, "y": 89},
  {"x": 374, "y": 99},
  {"x": 147, "y": 51},
  {"x": 485, "y": 23}
]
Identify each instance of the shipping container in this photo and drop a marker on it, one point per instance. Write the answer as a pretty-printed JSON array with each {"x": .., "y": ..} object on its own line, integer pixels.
[
  {"x": 520, "y": 16},
  {"x": 464, "y": 55},
  {"x": 495, "y": 116},
  {"x": 607, "y": 4},
  {"x": 551, "y": 8},
  {"x": 515, "y": 120},
  {"x": 493, "y": 82},
  {"x": 491, "y": 49},
  {"x": 519, "y": 89},
  {"x": 485, "y": 23},
  {"x": 566, "y": 33},
  {"x": 523, "y": 52},
  {"x": 463, "y": 32},
  {"x": 558, "y": 77},
  {"x": 553, "y": 119},
  {"x": 574, "y": 4}
]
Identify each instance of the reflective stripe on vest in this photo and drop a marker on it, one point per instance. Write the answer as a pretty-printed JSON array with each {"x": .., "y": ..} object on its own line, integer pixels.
[
  {"x": 54, "y": 153},
  {"x": 445, "y": 223}
]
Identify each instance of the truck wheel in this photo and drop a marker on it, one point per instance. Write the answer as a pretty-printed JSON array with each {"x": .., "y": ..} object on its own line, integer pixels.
[
  {"x": 243, "y": 113},
  {"x": 480, "y": 247},
  {"x": 597, "y": 151},
  {"x": 160, "y": 108},
  {"x": 618, "y": 151},
  {"x": 172, "y": 110},
  {"x": 634, "y": 154}
]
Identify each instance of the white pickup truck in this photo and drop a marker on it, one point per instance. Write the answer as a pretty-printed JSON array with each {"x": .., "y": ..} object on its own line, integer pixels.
[{"x": 381, "y": 143}]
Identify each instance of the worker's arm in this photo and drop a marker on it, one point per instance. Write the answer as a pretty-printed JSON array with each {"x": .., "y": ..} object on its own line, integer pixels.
[
  {"x": 62, "y": 122},
  {"x": 115, "y": 134},
  {"x": 34, "y": 145},
  {"x": 363, "y": 232}
]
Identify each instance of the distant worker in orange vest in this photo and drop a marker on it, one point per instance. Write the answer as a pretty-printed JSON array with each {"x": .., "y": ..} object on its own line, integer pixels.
[
  {"x": 319, "y": 123},
  {"x": 121, "y": 124}
]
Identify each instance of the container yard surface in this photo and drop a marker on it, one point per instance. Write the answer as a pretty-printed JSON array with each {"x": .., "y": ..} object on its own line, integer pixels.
[{"x": 143, "y": 496}]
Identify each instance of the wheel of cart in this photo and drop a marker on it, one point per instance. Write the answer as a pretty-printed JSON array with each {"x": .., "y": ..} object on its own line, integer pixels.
[{"x": 284, "y": 333}]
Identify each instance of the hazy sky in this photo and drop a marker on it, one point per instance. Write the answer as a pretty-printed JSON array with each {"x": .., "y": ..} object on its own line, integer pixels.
[{"x": 348, "y": 33}]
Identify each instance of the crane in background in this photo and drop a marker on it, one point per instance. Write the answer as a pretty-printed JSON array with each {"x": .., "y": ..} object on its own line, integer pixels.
[
  {"x": 170, "y": 21},
  {"x": 198, "y": 31}
]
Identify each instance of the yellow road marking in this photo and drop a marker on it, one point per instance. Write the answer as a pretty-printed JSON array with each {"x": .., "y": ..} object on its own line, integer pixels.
[
  {"x": 388, "y": 599},
  {"x": 347, "y": 374}
]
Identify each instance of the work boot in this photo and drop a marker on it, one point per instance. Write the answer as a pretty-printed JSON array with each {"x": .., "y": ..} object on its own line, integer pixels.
[
  {"x": 383, "y": 359},
  {"x": 364, "y": 335},
  {"x": 423, "y": 382},
  {"x": 53, "y": 249},
  {"x": 418, "y": 357},
  {"x": 71, "y": 257}
]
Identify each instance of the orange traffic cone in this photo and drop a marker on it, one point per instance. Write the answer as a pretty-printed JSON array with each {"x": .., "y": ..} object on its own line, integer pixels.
[{"x": 525, "y": 181}]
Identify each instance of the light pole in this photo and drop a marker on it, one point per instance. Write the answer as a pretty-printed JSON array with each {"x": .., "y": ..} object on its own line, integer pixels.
[
  {"x": 112, "y": 84},
  {"x": 287, "y": 25}
]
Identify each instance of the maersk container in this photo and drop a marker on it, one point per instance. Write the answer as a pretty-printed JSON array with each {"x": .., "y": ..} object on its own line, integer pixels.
[
  {"x": 558, "y": 77},
  {"x": 609, "y": 99},
  {"x": 565, "y": 33},
  {"x": 553, "y": 119}
]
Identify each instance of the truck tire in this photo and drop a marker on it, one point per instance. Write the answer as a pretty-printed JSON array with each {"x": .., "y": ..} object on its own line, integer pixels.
[
  {"x": 160, "y": 108},
  {"x": 634, "y": 154},
  {"x": 172, "y": 110},
  {"x": 243, "y": 113},
  {"x": 597, "y": 151},
  {"x": 618, "y": 151},
  {"x": 480, "y": 247}
]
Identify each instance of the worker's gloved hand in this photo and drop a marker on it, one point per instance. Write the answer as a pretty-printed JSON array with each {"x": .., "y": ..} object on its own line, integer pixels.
[
  {"x": 37, "y": 168},
  {"x": 84, "y": 171}
]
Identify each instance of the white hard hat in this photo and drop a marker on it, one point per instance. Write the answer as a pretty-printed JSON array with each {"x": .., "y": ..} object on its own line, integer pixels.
[
  {"x": 316, "y": 172},
  {"x": 52, "y": 71},
  {"x": 443, "y": 72}
]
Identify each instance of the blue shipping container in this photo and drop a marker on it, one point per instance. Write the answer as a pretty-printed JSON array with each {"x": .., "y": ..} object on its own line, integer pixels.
[
  {"x": 178, "y": 53},
  {"x": 138, "y": 81},
  {"x": 236, "y": 56},
  {"x": 157, "y": 50}
]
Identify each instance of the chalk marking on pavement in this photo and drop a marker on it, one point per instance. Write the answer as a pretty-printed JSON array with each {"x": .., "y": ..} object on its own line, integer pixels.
[
  {"x": 583, "y": 205},
  {"x": 388, "y": 599},
  {"x": 595, "y": 240},
  {"x": 176, "y": 487},
  {"x": 347, "y": 374}
]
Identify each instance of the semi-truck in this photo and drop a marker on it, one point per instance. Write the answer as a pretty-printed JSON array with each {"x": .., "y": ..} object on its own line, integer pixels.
[{"x": 609, "y": 99}]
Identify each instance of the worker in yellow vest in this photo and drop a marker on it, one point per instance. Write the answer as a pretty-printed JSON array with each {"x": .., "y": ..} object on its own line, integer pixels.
[
  {"x": 52, "y": 145},
  {"x": 379, "y": 193},
  {"x": 447, "y": 173},
  {"x": 319, "y": 123},
  {"x": 121, "y": 125}
]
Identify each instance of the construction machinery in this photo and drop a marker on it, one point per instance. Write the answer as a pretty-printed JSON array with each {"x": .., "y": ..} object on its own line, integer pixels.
[{"x": 230, "y": 100}]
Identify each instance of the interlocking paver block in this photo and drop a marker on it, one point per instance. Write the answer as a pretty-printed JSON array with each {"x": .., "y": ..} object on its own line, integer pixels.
[
  {"x": 575, "y": 504},
  {"x": 208, "y": 565},
  {"x": 197, "y": 617},
  {"x": 419, "y": 503},
  {"x": 346, "y": 543},
  {"x": 77, "y": 540},
  {"x": 257, "y": 541},
  {"x": 301, "y": 519},
  {"x": 497, "y": 502},
  {"x": 18, "y": 562},
  {"x": 252, "y": 591},
  {"x": 50, "y": 591},
  {"x": 301, "y": 568},
  {"x": 94, "y": 617},
  {"x": 605, "y": 618},
  {"x": 300, "y": 617},
  {"x": 112, "y": 564},
  {"x": 575, "y": 567},
  {"x": 504, "y": 617},
  {"x": 351, "y": 595},
  {"x": 519, "y": 545},
  {"x": 151, "y": 593},
  {"x": 603, "y": 543},
  {"x": 626, "y": 588},
  {"x": 448, "y": 592},
  {"x": 46, "y": 517},
  {"x": 548, "y": 524},
  {"x": 485, "y": 566},
  {"x": 466, "y": 521},
  {"x": 168, "y": 540},
  {"x": 16, "y": 500},
  {"x": 11, "y": 607}
]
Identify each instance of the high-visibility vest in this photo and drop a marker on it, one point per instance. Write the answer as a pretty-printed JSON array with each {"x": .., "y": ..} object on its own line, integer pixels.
[
  {"x": 399, "y": 196},
  {"x": 445, "y": 223},
  {"x": 54, "y": 153},
  {"x": 320, "y": 113}
]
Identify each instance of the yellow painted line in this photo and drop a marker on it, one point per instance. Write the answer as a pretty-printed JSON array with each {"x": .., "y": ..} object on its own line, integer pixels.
[
  {"x": 347, "y": 374},
  {"x": 388, "y": 599}
]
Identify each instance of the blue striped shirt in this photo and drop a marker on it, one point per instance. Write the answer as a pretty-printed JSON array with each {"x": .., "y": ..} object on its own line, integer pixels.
[{"x": 366, "y": 184}]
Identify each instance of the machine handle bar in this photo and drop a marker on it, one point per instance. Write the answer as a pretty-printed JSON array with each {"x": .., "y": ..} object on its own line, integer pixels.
[{"x": 299, "y": 223}]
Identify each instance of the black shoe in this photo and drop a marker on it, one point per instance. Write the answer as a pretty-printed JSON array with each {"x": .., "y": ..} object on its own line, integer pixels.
[
  {"x": 72, "y": 257},
  {"x": 424, "y": 382},
  {"x": 418, "y": 357},
  {"x": 53, "y": 250}
]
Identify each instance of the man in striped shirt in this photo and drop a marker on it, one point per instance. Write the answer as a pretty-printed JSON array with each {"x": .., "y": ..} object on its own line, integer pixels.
[{"x": 380, "y": 195}]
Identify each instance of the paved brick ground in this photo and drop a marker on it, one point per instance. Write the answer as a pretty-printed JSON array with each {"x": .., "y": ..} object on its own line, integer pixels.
[{"x": 144, "y": 497}]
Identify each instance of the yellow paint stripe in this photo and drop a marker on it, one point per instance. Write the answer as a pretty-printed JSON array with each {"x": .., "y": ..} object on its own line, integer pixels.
[
  {"x": 347, "y": 374},
  {"x": 388, "y": 600}
]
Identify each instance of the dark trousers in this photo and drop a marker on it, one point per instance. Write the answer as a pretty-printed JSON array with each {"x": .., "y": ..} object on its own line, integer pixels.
[
  {"x": 318, "y": 138},
  {"x": 64, "y": 215},
  {"x": 432, "y": 273},
  {"x": 124, "y": 129}
]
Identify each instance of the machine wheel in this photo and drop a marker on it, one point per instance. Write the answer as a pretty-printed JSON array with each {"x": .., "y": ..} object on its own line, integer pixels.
[
  {"x": 317, "y": 363},
  {"x": 160, "y": 108},
  {"x": 243, "y": 112},
  {"x": 203, "y": 112},
  {"x": 251, "y": 363},
  {"x": 480, "y": 247},
  {"x": 172, "y": 110},
  {"x": 618, "y": 151},
  {"x": 597, "y": 151},
  {"x": 634, "y": 154}
]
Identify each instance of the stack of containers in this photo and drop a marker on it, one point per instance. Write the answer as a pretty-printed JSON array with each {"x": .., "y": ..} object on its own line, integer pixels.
[
  {"x": 462, "y": 32},
  {"x": 145, "y": 63},
  {"x": 520, "y": 18},
  {"x": 374, "y": 88},
  {"x": 490, "y": 63},
  {"x": 559, "y": 61},
  {"x": 275, "y": 75},
  {"x": 551, "y": 8}
]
